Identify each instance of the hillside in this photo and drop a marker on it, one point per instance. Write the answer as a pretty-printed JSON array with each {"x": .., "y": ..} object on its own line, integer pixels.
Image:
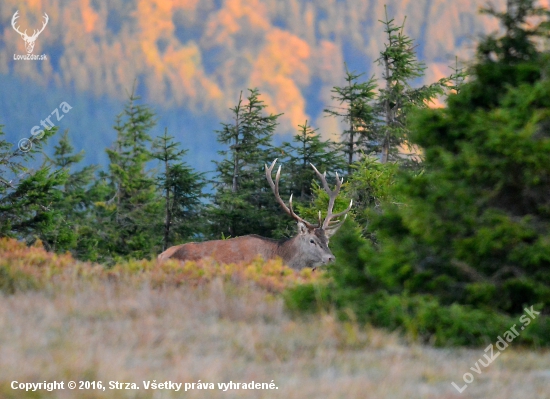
[
  {"x": 192, "y": 58},
  {"x": 437, "y": 285},
  {"x": 65, "y": 320}
]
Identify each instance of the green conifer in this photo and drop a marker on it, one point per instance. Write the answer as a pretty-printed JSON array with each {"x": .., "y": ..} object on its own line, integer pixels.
[
  {"x": 182, "y": 191},
  {"x": 243, "y": 202}
]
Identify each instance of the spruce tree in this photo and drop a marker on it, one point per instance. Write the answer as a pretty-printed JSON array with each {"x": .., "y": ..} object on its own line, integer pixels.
[
  {"x": 307, "y": 147},
  {"x": 132, "y": 209},
  {"x": 355, "y": 99},
  {"x": 76, "y": 197},
  {"x": 477, "y": 220},
  {"x": 466, "y": 246},
  {"x": 467, "y": 242},
  {"x": 182, "y": 190},
  {"x": 29, "y": 198},
  {"x": 457, "y": 78},
  {"x": 243, "y": 203},
  {"x": 397, "y": 97}
]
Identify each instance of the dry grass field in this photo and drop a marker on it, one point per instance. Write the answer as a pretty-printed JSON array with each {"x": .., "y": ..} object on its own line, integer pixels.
[{"x": 66, "y": 321}]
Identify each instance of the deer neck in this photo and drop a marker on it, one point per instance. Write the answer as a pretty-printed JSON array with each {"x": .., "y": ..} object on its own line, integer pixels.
[{"x": 288, "y": 251}]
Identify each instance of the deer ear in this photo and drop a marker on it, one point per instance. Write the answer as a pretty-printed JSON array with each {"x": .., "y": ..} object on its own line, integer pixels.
[
  {"x": 302, "y": 229},
  {"x": 330, "y": 232}
]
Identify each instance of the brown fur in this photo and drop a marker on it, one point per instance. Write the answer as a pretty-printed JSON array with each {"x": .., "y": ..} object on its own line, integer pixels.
[{"x": 297, "y": 252}]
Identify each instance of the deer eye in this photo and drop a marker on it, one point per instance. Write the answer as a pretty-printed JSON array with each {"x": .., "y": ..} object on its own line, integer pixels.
[{"x": 311, "y": 241}]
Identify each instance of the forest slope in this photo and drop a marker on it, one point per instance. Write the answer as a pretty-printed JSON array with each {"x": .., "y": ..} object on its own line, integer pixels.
[{"x": 192, "y": 58}]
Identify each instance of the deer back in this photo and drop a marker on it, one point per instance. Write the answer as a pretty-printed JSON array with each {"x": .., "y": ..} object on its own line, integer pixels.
[{"x": 234, "y": 250}]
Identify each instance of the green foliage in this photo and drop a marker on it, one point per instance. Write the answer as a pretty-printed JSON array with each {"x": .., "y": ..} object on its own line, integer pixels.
[
  {"x": 30, "y": 199},
  {"x": 377, "y": 123},
  {"x": 370, "y": 187},
  {"x": 182, "y": 190},
  {"x": 457, "y": 78},
  {"x": 450, "y": 255},
  {"x": 298, "y": 175},
  {"x": 130, "y": 212},
  {"x": 76, "y": 198},
  {"x": 358, "y": 288},
  {"x": 524, "y": 23},
  {"x": 243, "y": 203},
  {"x": 397, "y": 99},
  {"x": 308, "y": 148},
  {"x": 480, "y": 213},
  {"x": 463, "y": 247},
  {"x": 357, "y": 112}
]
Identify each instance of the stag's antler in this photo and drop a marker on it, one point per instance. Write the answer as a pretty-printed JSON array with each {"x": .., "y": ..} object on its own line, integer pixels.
[
  {"x": 24, "y": 34},
  {"x": 326, "y": 225},
  {"x": 275, "y": 188},
  {"x": 13, "y": 19},
  {"x": 46, "y": 19},
  {"x": 29, "y": 40}
]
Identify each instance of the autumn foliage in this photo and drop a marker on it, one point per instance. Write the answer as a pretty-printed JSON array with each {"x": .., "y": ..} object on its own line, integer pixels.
[
  {"x": 198, "y": 54},
  {"x": 23, "y": 268}
]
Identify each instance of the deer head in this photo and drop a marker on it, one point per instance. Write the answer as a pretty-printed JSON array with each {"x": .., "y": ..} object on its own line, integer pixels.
[
  {"x": 316, "y": 235},
  {"x": 29, "y": 40}
]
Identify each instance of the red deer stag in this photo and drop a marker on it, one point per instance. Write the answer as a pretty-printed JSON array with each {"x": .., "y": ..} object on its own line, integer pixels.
[{"x": 309, "y": 248}]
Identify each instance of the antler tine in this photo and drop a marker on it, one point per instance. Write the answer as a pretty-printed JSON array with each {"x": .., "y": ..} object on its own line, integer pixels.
[
  {"x": 13, "y": 21},
  {"x": 322, "y": 178},
  {"x": 332, "y": 195},
  {"x": 338, "y": 178},
  {"x": 298, "y": 218},
  {"x": 275, "y": 189},
  {"x": 46, "y": 19},
  {"x": 337, "y": 224},
  {"x": 339, "y": 214},
  {"x": 36, "y": 33}
]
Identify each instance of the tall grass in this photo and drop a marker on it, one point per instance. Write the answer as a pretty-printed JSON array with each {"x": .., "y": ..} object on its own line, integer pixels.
[{"x": 143, "y": 321}]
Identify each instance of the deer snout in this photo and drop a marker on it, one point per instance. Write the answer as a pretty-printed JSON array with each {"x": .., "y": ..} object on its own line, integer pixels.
[{"x": 329, "y": 258}]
